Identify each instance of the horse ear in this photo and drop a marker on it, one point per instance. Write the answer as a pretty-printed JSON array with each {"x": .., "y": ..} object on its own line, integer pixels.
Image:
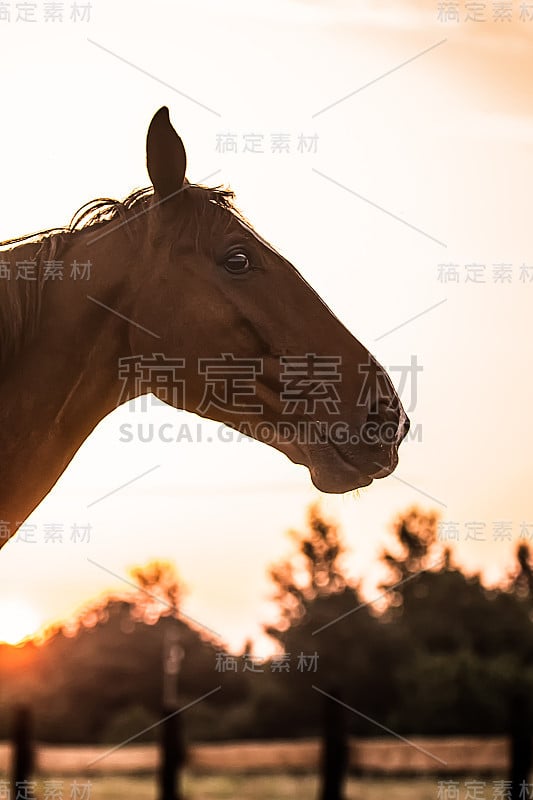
[{"x": 165, "y": 156}]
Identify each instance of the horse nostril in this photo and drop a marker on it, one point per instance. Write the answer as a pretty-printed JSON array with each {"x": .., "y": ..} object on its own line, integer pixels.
[
  {"x": 386, "y": 423},
  {"x": 383, "y": 408},
  {"x": 378, "y": 407}
]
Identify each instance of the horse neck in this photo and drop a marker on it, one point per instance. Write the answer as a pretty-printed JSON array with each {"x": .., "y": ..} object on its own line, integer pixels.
[{"x": 64, "y": 380}]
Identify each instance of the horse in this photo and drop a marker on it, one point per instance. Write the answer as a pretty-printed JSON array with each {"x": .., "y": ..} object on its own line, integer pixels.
[{"x": 187, "y": 301}]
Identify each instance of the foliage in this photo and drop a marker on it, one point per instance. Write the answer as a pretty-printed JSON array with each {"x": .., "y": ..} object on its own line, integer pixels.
[
  {"x": 440, "y": 653},
  {"x": 85, "y": 678}
]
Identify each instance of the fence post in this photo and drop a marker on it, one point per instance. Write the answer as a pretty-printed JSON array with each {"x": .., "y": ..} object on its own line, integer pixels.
[
  {"x": 334, "y": 748},
  {"x": 22, "y": 763},
  {"x": 172, "y": 746},
  {"x": 521, "y": 742}
]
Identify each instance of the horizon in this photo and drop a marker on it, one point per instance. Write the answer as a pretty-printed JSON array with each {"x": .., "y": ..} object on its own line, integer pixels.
[{"x": 26, "y": 618}]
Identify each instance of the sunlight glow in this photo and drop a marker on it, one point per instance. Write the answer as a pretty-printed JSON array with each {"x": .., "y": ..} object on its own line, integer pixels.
[{"x": 18, "y": 621}]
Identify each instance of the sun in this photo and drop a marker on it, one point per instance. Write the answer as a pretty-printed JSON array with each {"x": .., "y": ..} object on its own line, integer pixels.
[{"x": 18, "y": 621}]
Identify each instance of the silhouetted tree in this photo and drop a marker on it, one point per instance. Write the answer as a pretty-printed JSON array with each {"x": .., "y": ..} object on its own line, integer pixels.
[
  {"x": 160, "y": 590},
  {"x": 439, "y": 653},
  {"x": 323, "y": 616}
]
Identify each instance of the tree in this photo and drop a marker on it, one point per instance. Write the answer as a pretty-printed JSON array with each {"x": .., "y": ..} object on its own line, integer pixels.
[
  {"x": 463, "y": 646},
  {"x": 521, "y": 580},
  {"x": 322, "y": 613},
  {"x": 160, "y": 591},
  {"x": 314, "y": 571},
  {"x": 103, "y": 671}
]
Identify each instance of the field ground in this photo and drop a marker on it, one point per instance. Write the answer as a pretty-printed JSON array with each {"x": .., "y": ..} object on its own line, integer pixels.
[
  {"x": 265, "y": 787},
  {"x": 278, "y": 770},
  {"x": 253, "y": 787}
]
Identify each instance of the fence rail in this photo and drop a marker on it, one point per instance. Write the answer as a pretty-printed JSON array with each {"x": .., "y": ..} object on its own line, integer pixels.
[{"x": 464, "y": 755}]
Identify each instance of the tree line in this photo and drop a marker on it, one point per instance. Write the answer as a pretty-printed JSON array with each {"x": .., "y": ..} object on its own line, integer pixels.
[{"x": 435, "y": 652}]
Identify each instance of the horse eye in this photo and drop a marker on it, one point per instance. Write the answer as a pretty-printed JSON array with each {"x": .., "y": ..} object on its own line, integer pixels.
[{"x": 237, "y": 262}]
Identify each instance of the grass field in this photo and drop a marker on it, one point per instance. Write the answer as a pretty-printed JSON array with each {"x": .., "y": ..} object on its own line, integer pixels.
[
  {"x": 278, "y": 770},
  {"x": 249, "y": 787}
]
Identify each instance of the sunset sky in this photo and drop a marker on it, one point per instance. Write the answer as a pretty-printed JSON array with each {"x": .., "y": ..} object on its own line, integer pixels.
[{"x": 424, "y": 157}]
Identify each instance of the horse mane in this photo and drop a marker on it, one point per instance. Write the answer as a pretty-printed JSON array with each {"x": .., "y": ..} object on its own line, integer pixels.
[
  {"x": 105, "y": 209},
  {"x": 20, "y": 300}
]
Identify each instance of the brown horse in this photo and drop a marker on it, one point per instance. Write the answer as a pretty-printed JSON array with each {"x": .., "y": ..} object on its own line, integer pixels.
[{"x": 184, "y": 292}]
